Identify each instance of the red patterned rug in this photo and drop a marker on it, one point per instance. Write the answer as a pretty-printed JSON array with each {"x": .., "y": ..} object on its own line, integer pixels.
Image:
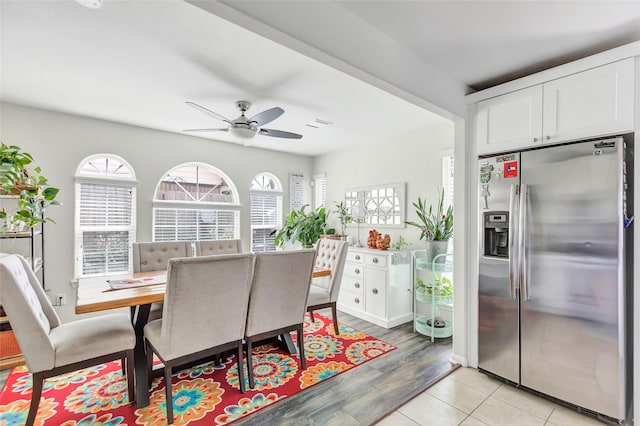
[{"x": 204, "y": 394}]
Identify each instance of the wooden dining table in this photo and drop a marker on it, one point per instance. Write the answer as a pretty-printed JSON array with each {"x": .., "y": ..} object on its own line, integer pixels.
[{"x": 95, "y": 294}]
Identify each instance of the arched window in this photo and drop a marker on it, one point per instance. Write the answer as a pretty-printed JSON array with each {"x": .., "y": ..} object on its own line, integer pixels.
[
  {"x": 105, "y": 215},
  {"x": 195, "y": 201},
  {"x": 266, "y": 211}
]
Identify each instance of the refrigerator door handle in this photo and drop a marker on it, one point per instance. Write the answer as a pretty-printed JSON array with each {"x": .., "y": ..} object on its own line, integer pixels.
[
  {"x": 513, "y": 239},
  {"x": 522, "y": 243}
]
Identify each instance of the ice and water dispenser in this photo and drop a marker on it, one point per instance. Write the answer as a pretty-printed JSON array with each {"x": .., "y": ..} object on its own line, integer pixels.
[{"x": 496, "y": 234}]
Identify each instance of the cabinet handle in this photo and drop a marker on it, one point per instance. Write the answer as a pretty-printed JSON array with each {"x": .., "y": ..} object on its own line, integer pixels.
[
  {"x": 357, "y": 285},
  {"x": 356, "y": 300},
  {"x": 357, "y": 271},
  {"x": 374, "y": 291},
  {"x": 357, "y": 257},
  {"x": 535, "y": 139},
  {"x": 375, "y": 260},
  {"x": 548, "y": 137}
]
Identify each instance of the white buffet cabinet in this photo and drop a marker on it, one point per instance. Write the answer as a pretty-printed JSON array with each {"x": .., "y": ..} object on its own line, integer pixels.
[{"x": 376, "y": 286}]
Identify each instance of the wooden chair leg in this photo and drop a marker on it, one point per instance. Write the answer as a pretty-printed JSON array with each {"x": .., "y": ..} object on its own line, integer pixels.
[
  {"x": 241, "y": 367},
  {"x": 250, "y": 364},
  {"x": 312, "y": 318},
  {"x": 334, "y": 313},
  {"x": 149, "y": 354},
  {"x": 123, "y": 366},
  {"x": 38, "y": 381},
  {"x": 303, "y": 361},
  {"x": 130, "y": 377},
  {"x": 169, "y": 393}
]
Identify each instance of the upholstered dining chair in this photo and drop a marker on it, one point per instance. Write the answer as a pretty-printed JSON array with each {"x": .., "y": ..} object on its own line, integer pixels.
[
  {"x": 205, "y": 310},
  {"x": 154, "y": 256},
  {"x": 323, "y": 292},
  {"x": 51, "y": 348},
  {"x": 211, "y": 247},
  {"x": 278, "y": 298}
]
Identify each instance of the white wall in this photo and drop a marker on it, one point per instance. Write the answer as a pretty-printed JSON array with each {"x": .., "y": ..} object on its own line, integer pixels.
[
  {"x": 59, "y": 142},
  {"x": 413, "y": 158}
]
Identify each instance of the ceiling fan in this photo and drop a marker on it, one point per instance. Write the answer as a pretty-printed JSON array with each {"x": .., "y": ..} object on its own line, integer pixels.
[{"x": 246, "y": 128}]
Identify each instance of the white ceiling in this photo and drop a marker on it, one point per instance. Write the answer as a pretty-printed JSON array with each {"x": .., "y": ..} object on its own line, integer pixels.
[{"x": 137, "y": 62}]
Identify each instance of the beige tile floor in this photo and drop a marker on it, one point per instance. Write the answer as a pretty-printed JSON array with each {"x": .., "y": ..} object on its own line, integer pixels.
[{"x": 467, "y": 397}]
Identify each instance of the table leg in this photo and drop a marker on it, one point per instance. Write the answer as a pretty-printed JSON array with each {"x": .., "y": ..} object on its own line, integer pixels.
[
  {"x": 140, "y": 358},
  {"x": 287, "y": 342}
]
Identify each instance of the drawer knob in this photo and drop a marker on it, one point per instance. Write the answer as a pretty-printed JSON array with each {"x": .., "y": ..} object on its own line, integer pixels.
[
  {"x": 374, "y": 291},
  {"x": 357, "y": 271},
  {"x": 375, "y": 260},
  {"x": 548, "y": 137},
  {"x": 357, "y": 257},
  {"x": 357, "y": 285},
  {"x": 356, "y": 300}
]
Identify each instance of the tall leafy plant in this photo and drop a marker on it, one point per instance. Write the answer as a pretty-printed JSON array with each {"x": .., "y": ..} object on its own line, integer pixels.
[
  {"x": 303, "y": 227},
  {"x": 435, "y": 223},
  {"x": 343, "y": 215}
]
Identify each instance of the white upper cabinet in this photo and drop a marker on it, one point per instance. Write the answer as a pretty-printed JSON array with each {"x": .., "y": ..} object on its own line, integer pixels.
[
  {"x": 595, "y": 102},
  {"x": 510, "y": 121},
  {"x": 592, "y": 103}
]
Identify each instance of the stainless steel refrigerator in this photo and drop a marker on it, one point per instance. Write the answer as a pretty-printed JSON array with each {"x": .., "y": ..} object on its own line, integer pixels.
[{"x": 555, "y": 272}]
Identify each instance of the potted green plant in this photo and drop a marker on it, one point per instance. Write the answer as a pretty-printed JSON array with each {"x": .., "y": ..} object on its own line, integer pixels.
[
  {"x": 32, "y": 190},
  {"x": 436, "y": 226},
  {"x": 439, "y": 290},
  {"x": 303, "y": 227},
  {"x": 343, "y": 216}
]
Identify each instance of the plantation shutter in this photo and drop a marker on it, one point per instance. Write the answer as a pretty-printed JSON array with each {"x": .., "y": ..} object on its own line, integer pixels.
[
  {"x": 320, "y": 192},
  {"x": 105, "y": 227},
  {"x": 447, "y": 179},
  {"x": 266, "y": 211},
  {"x": 178, "y": 224}
]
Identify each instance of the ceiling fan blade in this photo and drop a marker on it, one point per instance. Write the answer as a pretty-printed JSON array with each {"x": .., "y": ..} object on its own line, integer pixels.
[
  {"x": 206, "y": 130},
  {"x": 208, "y": 112},
  {"x": 279, "y": 134},
  {"x": 267, "y": 116}
]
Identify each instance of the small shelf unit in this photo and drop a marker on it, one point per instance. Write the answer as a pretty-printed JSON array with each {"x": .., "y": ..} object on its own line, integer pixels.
[
  {"x": 30, "y": 244},
  {"x": 427, "y": 270}
]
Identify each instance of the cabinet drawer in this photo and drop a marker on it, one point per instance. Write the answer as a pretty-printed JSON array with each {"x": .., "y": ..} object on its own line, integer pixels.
[
  {"x": 375, "y": 260},
  {"x": 351, "y": 299},
  {"x": 355, "y": 257},
  {"x": 352, "y": 284},
  {"x": 353, "y": 269}
]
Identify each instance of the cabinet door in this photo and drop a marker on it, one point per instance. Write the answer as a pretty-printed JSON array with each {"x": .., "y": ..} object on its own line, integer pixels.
[
  {"x": 375, "y": 286},
  {"x": 510, "y": 121},
  {"x": 592, "y": 103}
]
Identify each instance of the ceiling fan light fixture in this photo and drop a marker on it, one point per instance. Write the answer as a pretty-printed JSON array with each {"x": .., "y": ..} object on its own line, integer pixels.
[{"x": 243, "y": 131}]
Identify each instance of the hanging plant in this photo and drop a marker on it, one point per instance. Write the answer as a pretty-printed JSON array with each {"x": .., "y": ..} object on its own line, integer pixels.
[{"x": 31, "y": 188}]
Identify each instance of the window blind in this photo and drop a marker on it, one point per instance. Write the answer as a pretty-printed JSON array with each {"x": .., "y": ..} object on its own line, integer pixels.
[
  {"x": 447, "y": 179},
  {"x": 105, "y": 224},
  {"x": 320, "y": 190},
  {"x": 266, "y": 214},
  {"x": 172, "y": 224}
]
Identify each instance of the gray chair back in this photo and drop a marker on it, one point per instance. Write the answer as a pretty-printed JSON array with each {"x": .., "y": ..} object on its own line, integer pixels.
[
  {"x": 154, "y": 256},
  {"x": 32, "y": 316},
  {"x": 212, "y": 247},
  {"x": 205, "y": 303},
  {"x": 280, "y": 288},
  {"x": 331, "y": 255}
]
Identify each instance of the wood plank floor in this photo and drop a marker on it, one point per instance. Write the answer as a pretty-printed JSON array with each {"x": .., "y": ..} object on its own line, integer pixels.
[{"x": 365, "y": 394}]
